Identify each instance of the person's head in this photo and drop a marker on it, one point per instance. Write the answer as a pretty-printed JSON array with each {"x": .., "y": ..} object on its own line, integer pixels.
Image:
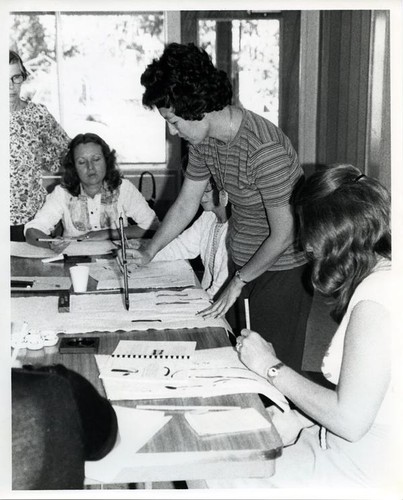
[
  {"x": 209, "y": 200},
  {"x": 184, "y": 85},
  {"x": 89, "y": 161},
  {"x": 344, "y": 222},
  {"x": 18, "y": 73}
]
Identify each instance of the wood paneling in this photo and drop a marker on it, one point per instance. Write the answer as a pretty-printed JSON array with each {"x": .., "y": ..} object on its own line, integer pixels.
[
  {"x": 289, "y": 74},
  {"x": 345, "y": 89}
]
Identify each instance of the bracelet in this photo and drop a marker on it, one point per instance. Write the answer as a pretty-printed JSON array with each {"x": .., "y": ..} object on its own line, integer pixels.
[{"x": 238, "y": 275}]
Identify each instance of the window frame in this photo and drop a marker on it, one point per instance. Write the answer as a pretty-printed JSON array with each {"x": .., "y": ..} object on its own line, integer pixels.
[
  {"x": 289, "y": 54},
  {"x": 171, "y": 34}
]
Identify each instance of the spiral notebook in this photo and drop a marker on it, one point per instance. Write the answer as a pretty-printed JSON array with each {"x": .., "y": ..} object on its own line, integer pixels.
[{"x": 149, "y": 360}]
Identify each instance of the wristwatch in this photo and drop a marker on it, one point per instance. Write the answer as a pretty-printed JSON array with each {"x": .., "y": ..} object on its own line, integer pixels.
[
  {"x": 272, "y": 372},
  {"x": 238, "y": 275}
]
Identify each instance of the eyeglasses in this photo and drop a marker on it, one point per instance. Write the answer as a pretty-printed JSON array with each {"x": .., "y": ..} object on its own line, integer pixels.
[{"x": 17, "y": 79}]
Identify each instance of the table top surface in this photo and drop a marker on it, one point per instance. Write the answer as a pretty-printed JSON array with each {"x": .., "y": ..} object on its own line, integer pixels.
[{"x": 175, "y": 452}]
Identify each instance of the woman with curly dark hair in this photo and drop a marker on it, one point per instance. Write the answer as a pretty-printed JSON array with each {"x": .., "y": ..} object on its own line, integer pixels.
[
  {"x": 255, "y": 168},
  {"x": 91, "y": 198},
  {"x": 345, "y": 441}
]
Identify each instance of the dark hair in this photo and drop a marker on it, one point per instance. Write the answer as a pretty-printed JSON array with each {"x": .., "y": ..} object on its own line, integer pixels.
[
  {"x": 13, "y": 57},
  {"x": 344, "y": 218},
  {"x": 71, "y": 180},
  {"x": 185, "y": 79}
]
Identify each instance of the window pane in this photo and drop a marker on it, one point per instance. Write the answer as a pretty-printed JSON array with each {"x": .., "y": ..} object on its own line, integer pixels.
[
  {"x": 33, "y": 38},
  {"x": 101, "y": 60},
  {"x": 256, "y": 58},
  {"x": 207, "y": 37},
  {"x": 255, "y": 62},
  {"x": 104, "y": 57}
]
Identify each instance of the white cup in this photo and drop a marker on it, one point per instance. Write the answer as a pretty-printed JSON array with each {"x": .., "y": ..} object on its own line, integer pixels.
[{"x": 79, "y": 277}]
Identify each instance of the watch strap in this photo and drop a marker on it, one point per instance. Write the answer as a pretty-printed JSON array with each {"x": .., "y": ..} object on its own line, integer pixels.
[
  {"x": 272, "y": 372},
  {"x": 238, "y": 275}
]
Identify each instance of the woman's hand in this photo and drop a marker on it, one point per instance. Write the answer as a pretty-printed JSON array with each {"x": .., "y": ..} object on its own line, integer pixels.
[
  {"x": 103, "y": 234},
  {"x": 59, "y": 245},
  {"x": 225, "y": 300},
  {"x": 255, "y": 352},
  {"x": 136, "y": 253}
]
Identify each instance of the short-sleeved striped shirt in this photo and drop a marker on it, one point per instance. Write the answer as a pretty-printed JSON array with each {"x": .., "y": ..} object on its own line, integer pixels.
[{"x": 258, "y": 168}]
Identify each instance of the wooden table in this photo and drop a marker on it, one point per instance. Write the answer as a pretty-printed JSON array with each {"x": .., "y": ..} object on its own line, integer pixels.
[{"x": 175, "y": 452}]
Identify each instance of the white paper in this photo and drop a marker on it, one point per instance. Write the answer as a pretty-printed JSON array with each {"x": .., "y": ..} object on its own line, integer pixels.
[
  {"x": 148, "y": 360},
  {"x": 135, "y": 429},
  {"x": 225, "y": 422},
  {"x": 94, "y": 312},
  {"x": 90, "y": 247},
  {"x": 164, "y": 274},
  {"x": 23, "y": 249},
  {"x": 213, "y": 372}
]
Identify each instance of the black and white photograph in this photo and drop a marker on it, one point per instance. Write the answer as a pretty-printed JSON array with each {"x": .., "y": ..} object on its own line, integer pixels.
[{"x": 202, "y": 268}]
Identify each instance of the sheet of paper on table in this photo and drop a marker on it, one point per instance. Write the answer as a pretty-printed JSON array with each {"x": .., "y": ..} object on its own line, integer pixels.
[
  {"x": 227, "y": 422},
  {"x": 90, "y": 247},
  {"x": 149, "y": 360},
  {"x": 106, "y": 312},
  {"x": 135, "y": 428},
  {"x": 23, "y": 249},
  {"x": 213, "y": 372},
  {"x": 75, "y": 248},
  {"x": 166, "y": 274}
]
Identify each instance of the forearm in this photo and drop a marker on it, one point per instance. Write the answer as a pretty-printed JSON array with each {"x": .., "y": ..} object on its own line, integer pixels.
[
  {"x": 32, "y": 235},
  {"x": 266, "y": 256},
  {"x": 176, "y": 220},
  {"x": 317, "y": 402},
  {"x": 138, "y": 232}
]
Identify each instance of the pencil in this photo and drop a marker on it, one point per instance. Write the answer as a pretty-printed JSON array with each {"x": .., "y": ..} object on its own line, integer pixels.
[
  {"x": 247, "y": 315},
  {"x": 48, "y": 239}
]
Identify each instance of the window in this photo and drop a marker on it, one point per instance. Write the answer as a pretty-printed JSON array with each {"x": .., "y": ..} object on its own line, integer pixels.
[
  {"x": 255, "y": 61},
  {"x": 86, "y": 68}
]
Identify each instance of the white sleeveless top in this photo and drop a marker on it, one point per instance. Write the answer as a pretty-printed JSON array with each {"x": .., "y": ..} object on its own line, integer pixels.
[{"x": 376, "y": 287}]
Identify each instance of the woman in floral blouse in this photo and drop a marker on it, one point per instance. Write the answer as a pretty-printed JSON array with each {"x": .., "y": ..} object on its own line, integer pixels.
[{"x": 37, "y": 142}]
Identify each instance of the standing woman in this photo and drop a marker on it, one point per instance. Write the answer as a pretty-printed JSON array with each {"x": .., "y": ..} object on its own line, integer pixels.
[
  {"x": 255, "y": 168},
  {"x": 37, "y": 142}
]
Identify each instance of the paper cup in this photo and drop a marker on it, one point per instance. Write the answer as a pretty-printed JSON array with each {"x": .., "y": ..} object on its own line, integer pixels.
[{"x": 79, "y": 277}]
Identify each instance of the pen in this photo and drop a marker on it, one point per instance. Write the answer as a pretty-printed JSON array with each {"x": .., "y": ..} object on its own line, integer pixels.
[
  {"x": 125, "y": 278},
  {"x": 247, "y": 315}
]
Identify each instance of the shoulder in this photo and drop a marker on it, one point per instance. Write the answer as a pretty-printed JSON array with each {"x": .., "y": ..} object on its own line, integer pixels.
[
  {"x": 377, "y": 287},
  {"x": 127, "y": 187},
  {"x": 263, "y": 130},
  {"x": 60, "y": 193},
  {"x": 37, "y": 107}
]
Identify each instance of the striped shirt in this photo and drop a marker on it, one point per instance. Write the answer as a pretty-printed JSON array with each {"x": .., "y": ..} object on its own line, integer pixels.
[{"x": 258, "y": 169}]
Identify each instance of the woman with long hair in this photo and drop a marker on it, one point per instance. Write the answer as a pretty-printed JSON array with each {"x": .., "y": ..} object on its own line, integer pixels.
[{"x": 346, "y": 439}]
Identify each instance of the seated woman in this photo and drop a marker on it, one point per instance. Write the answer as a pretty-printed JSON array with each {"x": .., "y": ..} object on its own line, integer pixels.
[
  {"x": 206, "y": 237},
  {"x": 345, "y": 227},
  {"x": 91, "y": 198}
]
